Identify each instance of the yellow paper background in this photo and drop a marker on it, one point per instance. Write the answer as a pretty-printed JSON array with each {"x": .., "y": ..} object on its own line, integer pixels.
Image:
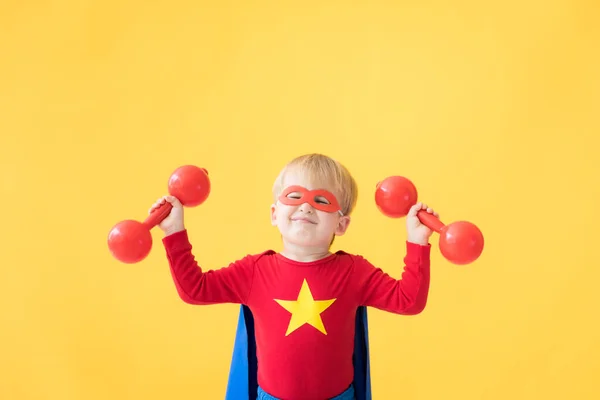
[{"x": 490, "y": 108}]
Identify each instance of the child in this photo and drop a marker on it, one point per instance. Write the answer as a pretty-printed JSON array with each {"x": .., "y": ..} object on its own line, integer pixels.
[{"x": 304, "y": 299}]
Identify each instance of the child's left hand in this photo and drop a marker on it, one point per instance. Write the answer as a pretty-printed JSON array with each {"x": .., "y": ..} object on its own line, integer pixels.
[{"x": 417, "y": 232}]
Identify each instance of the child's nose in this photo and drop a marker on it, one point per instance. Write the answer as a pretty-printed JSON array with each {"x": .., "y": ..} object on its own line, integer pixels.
[{"x": 306, "y": 207}]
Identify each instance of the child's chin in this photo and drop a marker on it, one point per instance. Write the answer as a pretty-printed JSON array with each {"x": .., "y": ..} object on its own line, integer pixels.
[{"x": 300, "y": 240}]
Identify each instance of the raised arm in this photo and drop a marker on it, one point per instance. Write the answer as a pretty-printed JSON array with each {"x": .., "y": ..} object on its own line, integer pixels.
[
  {"x": 230, "y": 284},
  {"x": 407, "y": 295}
]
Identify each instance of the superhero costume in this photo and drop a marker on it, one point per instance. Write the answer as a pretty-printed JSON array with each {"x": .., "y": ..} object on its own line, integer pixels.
[{"x": 304, "y": 316}]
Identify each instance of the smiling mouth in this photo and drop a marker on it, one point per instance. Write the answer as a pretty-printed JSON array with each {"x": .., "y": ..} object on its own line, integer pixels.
[{"x": 303, "y": 220}]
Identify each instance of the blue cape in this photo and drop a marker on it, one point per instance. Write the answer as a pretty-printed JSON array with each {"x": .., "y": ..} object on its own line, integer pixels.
[{"x": 243, "y": 383}]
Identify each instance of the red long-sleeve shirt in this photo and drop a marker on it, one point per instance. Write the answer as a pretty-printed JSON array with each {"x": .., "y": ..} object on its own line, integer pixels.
[{"x": 304, "y": 312}]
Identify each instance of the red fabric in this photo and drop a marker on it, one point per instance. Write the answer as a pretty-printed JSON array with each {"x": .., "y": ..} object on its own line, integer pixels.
[{"x": 306, "y": 363}]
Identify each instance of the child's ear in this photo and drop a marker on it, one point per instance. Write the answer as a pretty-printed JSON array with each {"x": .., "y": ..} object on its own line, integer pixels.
[
  {"x": 343, "y": 224},
  {"x": 273, "y": 215}
]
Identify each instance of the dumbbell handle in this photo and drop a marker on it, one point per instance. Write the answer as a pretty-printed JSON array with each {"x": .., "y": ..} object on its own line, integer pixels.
[
  {"x": 430, "y": 221},
  {"x": 158, "y": 215}
]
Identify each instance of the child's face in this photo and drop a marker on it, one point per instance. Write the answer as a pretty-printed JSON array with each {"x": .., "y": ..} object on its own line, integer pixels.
[{"x": 305, "y": 218}]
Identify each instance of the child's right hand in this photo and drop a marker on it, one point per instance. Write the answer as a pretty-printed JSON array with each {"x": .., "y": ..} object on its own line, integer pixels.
[{"x": 174, "y": 221}]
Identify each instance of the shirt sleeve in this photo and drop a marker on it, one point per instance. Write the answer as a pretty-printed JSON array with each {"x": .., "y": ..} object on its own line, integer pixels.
[
  {"x": 407, "y": 295},
  {"x": 230, "y": 284}
]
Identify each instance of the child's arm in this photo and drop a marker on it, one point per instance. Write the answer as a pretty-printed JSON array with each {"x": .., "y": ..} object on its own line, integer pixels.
[
  {"x": 230, "y": 284},
  {"x": 408, "y": 295}
]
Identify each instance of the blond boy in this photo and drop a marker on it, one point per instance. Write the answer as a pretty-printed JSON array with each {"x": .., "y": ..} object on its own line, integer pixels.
[{"x": 304, "y": 299}]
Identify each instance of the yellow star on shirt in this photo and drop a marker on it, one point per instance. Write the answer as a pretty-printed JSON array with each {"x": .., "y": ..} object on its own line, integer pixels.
[{"x": 305, "y": 310}]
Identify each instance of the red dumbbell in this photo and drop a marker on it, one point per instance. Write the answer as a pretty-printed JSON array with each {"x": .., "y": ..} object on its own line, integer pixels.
[
  {"x": 130, "y": 241},
  {"x": 460, "y": 242}
]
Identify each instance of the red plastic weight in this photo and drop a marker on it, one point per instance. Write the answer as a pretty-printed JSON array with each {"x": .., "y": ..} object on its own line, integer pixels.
[
  {"x": 460, "y": 242},
  {"x": 130, "y": 241}
]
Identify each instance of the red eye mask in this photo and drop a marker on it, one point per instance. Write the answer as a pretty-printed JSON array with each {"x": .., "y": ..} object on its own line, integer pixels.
[{"x": 320, "y": 199}]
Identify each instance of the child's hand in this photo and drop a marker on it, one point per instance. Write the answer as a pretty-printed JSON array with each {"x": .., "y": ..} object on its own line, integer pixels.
[
  {"x": 417, "y": 232},
  {"x": 174, "y": 221}
]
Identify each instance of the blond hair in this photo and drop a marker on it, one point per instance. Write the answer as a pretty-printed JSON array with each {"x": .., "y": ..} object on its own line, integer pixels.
[{"x": 323, "y": 170}]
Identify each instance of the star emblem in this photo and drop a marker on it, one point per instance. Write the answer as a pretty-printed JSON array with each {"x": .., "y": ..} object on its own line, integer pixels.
[{"x": 305, "y": 310}]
